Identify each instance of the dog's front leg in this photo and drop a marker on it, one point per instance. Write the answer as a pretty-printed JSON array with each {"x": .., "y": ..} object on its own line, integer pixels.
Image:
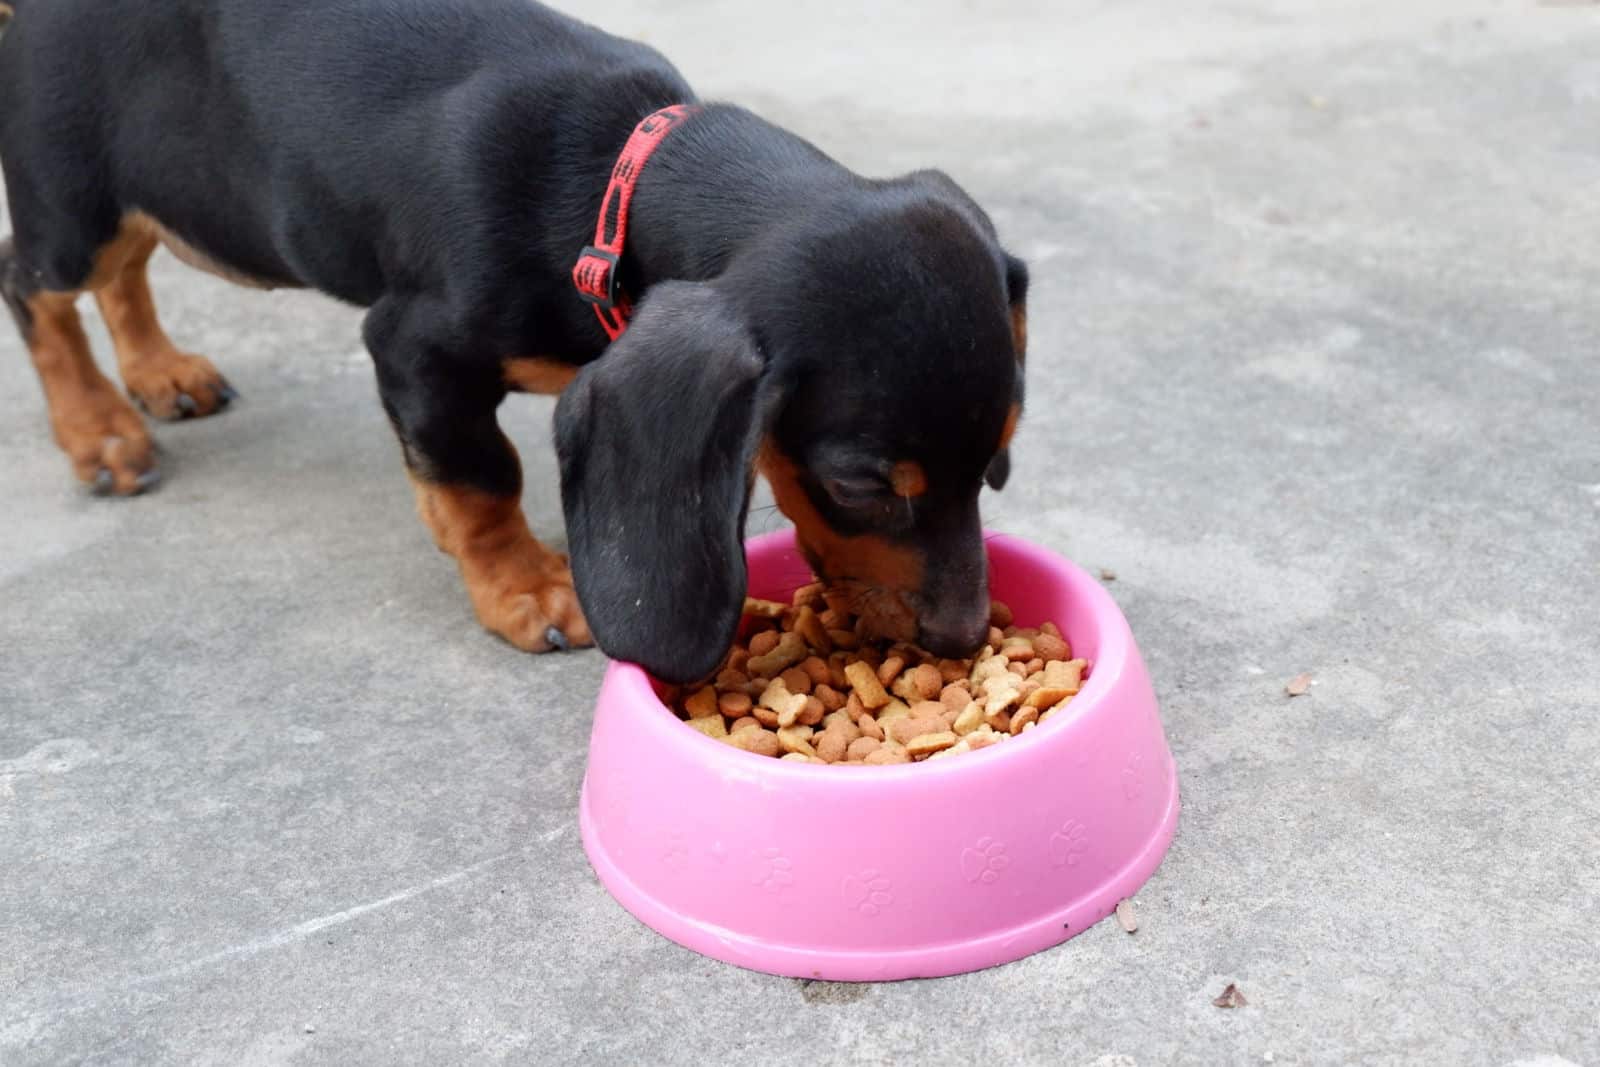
[{"x": 441, "y": 398}]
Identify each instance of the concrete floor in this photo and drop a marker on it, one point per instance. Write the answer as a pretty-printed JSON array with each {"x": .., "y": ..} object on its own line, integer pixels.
[{"x": 1313, "y": 368}]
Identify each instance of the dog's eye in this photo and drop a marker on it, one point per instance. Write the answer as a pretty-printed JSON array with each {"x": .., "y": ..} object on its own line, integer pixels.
[{"x": 856, "y": 493}]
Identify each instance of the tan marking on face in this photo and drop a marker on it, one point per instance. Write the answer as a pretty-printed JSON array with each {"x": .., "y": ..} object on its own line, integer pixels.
[
  {"x": 908, "y": 479},
  {"x": 535, "y": 374},
  {"x": 1010, "y": 428},
  {"x": 1019, "y": 331},
  {"x": 866, "y": 558}
]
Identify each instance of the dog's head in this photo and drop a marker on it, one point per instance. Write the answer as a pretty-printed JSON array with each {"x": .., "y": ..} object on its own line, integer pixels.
[{"x": 867, "y": 363}]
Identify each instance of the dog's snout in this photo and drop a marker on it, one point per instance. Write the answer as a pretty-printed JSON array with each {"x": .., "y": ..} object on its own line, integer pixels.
[{"x": 954, "y": 639}]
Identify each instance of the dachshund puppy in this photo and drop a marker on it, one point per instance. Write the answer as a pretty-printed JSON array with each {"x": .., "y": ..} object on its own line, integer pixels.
[{"x": 443, "y": 164}]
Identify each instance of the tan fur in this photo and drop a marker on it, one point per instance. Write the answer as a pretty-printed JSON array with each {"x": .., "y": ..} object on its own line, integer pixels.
[
  {"x": 519, "y": 588},
  {"x": 535, "y": 374}
]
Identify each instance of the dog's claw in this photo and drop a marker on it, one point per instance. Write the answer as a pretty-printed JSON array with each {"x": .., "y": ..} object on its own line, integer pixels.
[
  {"x": 557, "y": 639},
  {"x": 226, "y": 394},
  {"x": 186, "y": 404},
  {"x": 103, "y": 482},
  {"x": 147, "y": 481}
]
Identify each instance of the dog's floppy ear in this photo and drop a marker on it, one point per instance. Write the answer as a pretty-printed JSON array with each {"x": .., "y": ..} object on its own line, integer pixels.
[
  {"x": 1017, "y": 297},
  {"x": 657, "y": 439}
]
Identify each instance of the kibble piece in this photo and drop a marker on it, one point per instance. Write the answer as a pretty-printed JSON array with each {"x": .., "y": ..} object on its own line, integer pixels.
[
  {"x": 796, "y": 757},
  {"x": 737, "y": 659},
  {"x": 843, "y": 638},
  {"x": 1047, "y": 696},
  {"x": 746, "y": 723},
  {"x": 832, "y": 699},
  {"x": 761, "y": 742},
  {"x": 734, "y": 705},
  {"x": 835, "y": 720},
  {"x": 767, "y": 609},
  {"x": 816, "y": 669},
  {"x": 928, "y": 744},
  {"x": 954, "y": 750},
  {"x": 702, "y": 703},
  {"x": 1001, "y": 698},
  {"x": 904, "y": 730},
  {"x": 996, "y": 636},
  {"x": 1017, "y": 649},
  {"x": 986, "y": 668},
  {"x": 956, "y": 695},
  {"x": 998, "y": 721},
  {"x": 884, "y": 756},
  {"x": 1067, "y": 674},
  {"x": 895, "y": 709},
  {"x": 862, "y": 747},
  {"x": 810, "y": 627},
  {"x": 927, "y": 681},
  {"x": 796, "y": 739},
  {"x": 854, "y": 708},
  {"x": 790, "y": 649},
  {"x": 811, "y": 713},
  {"x": 999, "y": 614},
  {"x": 711, "y": 726},
  {"x": 905, "y": 688},
  {"x": 762, "y": 644},
  {"x": 831, "y": 746},
  {"x": 870, "y": 727},
  {"x": 927, "y": 709},
  {"x": 1051, "y": 646},
  {"x": 890, "y": 669},
  {"x": 807, "y": 595},
  {"x": 797, "y": 680},
  {"x": 1023, "y": 719},
  {"x": 969, "y": 719},
  {"x": 866, "y": 684},
  {"x": 983, "y": 738},
  {"x": 1018, "y": 669},
  {"x": 1034, "y": 665}
]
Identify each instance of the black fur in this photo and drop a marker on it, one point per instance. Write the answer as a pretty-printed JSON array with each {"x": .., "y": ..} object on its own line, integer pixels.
[{"x": 440, "y": 162}]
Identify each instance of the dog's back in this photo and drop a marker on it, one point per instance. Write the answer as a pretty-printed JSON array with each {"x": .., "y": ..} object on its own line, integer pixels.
[{"x": 201, "y": 114}]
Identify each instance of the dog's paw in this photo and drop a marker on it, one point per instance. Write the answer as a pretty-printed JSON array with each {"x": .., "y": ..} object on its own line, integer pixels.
[
  {"x": 108, "y": 444},
  {"x": 532, "y": 604},
  {"x": 173, "y": 385}
]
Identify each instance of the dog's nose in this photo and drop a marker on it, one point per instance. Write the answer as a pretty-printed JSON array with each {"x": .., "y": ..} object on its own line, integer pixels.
[{"x": 954, "y": 640}]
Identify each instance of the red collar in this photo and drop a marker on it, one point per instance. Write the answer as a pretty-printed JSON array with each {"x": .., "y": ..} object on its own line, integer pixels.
[{"x": 595, "y": 273}]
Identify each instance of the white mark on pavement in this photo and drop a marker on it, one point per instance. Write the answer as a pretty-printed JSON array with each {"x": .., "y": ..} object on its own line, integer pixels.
[{"x": 29, "y": 1021}]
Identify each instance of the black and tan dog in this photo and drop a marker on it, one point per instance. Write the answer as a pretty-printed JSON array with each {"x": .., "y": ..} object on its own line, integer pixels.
[{"x": 442, "y": 163}]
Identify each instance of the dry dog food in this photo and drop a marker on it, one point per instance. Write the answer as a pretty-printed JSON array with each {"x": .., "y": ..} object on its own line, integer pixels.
[{"x": 809, "y": 686}]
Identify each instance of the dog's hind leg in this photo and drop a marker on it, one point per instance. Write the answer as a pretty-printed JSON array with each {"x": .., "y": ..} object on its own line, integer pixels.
[{"x": 167, "y": 383}]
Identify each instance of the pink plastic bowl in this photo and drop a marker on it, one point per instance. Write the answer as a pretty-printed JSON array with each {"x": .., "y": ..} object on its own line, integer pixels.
[{"x": 855, "y": 874}]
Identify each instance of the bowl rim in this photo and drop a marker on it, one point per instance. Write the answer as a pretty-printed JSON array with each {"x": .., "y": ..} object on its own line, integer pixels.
[{"x": 633, "y": 683}]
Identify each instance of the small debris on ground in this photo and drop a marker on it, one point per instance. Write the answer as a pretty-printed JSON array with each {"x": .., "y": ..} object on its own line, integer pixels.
[
  {"x": 1299, "y": 685},
  {"x": 1231, "y": 998},
  {"x": 1107, "y": 574},
  {"x": 311, "y": 1028},
  {"x": 1125, "y": 916}
]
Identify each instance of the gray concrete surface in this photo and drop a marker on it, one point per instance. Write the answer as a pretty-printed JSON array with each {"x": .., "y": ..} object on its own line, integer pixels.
[{"x": 1313, "y": 369}]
